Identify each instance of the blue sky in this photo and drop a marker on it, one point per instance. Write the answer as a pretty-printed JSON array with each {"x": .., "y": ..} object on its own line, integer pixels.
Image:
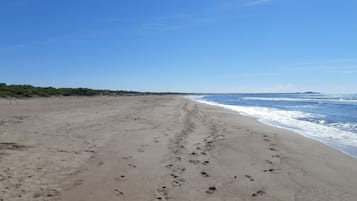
[{"x": 181, "y": 45}]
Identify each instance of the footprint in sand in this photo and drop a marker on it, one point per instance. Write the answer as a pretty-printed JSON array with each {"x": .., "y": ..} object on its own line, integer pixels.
[
  {"x": 195, "y": 162},
  {"x": 266, "y": 138},
  {"x": 127, "y": 157},
  {"x": 120, "y": 178},
  {"x": 205, "y": 162},
  {"x": 141, "y": 148},
  {"x": 271, "y": 170},
  {"x": 268, "y": 161},
  {"x": 132, "y": 165},
  {"x": 260, "y": 192},
  {"x": 156, "y": 139},
  {"x": 204, "y": 174},
  {"x": 100, "y": 163},
  {"x": 249, "y": 177},
  {"x": 272, "y": 149},
  {"x": 78, "y": 182},
  {"x": 169, "y": 166},
  {"x": 211, "y": 190},
  {"x": 177, "y": 182},
  {"x": 163, "y": 194},
  {"x": 117, "y": 192}
]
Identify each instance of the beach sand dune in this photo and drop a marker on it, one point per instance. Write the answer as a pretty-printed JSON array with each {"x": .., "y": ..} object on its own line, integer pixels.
[{"x": 159, "y": 148}]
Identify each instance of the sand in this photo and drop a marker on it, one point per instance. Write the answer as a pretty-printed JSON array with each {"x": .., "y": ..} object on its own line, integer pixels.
[{"x": 159, "y": 148}]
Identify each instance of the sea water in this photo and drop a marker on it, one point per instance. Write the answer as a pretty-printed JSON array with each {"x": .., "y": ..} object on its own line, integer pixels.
[{"x": 330, "y": 119}]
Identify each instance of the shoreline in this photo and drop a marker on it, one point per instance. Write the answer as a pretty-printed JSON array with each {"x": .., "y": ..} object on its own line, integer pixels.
[
  {"x": 160, "y": 148},
  {"x": 339, "y": 147}
]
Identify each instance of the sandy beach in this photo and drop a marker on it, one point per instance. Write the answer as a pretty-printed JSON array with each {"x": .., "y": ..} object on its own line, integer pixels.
[{"x": 146, "y": 148}]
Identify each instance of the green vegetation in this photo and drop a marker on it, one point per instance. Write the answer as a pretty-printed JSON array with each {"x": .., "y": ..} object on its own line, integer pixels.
[{"x": 21, "y": 91}]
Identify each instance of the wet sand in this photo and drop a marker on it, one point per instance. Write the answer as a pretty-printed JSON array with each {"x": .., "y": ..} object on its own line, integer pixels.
[{"x": 159, "y": 148}]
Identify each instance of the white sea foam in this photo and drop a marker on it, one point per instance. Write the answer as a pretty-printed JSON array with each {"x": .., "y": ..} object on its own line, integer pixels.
[
  {"x": 291, "y": 120},
  {"x": 345, "y": 126},
  {"x": 339, "y": 100}
]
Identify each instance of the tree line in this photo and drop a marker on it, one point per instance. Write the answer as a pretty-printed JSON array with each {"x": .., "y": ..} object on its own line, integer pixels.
[{"x": 23, "y": 91}]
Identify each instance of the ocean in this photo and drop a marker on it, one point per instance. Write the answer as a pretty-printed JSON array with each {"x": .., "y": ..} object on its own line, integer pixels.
[{"x": 330, "y": 119}]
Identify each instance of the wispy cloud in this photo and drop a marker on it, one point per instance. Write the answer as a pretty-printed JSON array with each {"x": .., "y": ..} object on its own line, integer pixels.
[{"x": 258, "y": 2}]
